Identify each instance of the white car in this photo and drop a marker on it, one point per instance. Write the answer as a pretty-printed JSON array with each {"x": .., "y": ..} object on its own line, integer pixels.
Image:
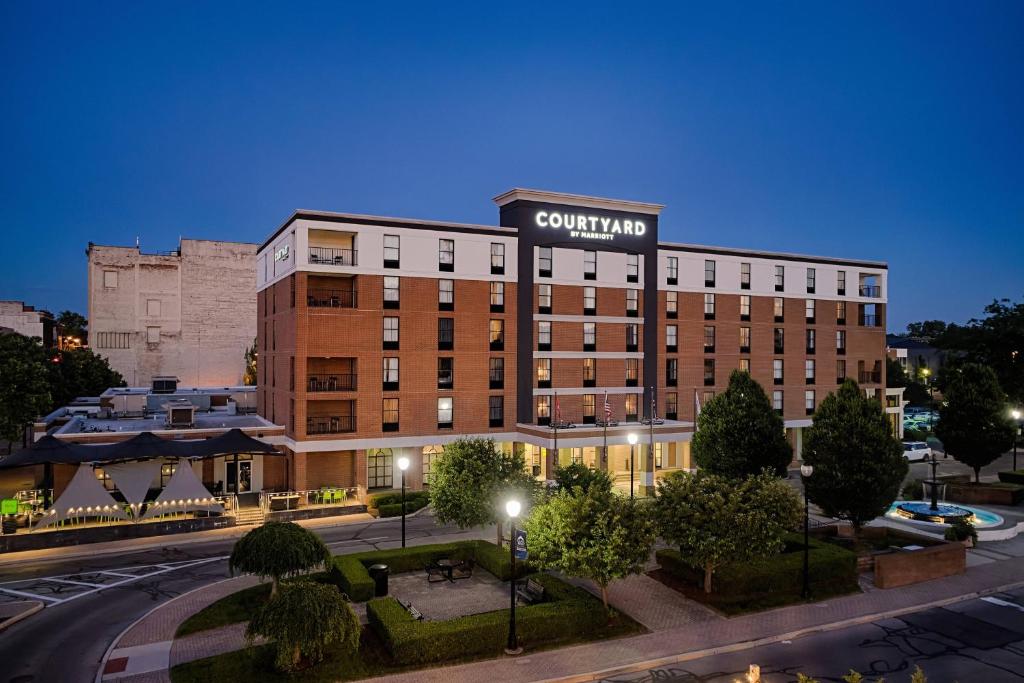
[{"x": 916, "y": 451}]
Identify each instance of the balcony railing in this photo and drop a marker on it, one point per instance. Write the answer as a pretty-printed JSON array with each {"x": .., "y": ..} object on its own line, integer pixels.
[
  {"x": 873, "y": 291},
  {"x": 332, "y": 256},
  {"x": 331, "y": 298},
  {"x": 332, "y": 381},
  {"x": 869, "y": 377},
  {"x": 331, "y": 424}
]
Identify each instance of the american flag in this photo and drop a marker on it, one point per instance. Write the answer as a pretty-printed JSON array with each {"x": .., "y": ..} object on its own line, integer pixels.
[
  {"x": 696, "y": 398},
  {"x": 607, "y": 408}
]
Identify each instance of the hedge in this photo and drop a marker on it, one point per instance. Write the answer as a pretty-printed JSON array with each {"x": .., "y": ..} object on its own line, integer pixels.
[
  {"x": 1012, "y": 477},
  {"x": 354, "y": 579},
  {"x": 778, "y": 579},
  {"x": 390, "y": 498},
  {"x": 395, "y": 509},
  {"x": 567, "y": 613}
]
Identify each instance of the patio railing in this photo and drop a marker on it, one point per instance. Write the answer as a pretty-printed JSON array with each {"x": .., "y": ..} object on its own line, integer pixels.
[{"x": 293, "y": 500}]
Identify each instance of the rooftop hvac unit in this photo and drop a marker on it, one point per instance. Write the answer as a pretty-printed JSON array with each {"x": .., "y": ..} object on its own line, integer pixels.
[
  {"x": 180, "y": 414},
  {"x": 165, "y": 385}
]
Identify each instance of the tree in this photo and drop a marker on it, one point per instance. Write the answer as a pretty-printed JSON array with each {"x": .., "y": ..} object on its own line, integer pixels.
[
  {"x": 305, "y": 619},
  {"x": 858, "y": 463},
  {"x": 79, "y": 372},
  {"x": 593, "y": 533},
  {"x": 578, "y": 475},
  {"x": 473, "y": 478},
  {"x": 926, "y": 330},
  {"x": 974, "y": 424},
  {"x": 72, "y": 324},
  {"x": 717, "y": 521},
  {"x": 739, "y": 434},
  {"x": 278, "y": 550},
  {"x": 24, "y": 385},
  {"x": 249, "y": 377}
]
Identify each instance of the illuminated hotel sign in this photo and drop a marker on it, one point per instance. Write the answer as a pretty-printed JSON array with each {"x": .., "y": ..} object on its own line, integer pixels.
[
  {"x": 589, "y": 227},
  {"x": 281, "y": 254}
]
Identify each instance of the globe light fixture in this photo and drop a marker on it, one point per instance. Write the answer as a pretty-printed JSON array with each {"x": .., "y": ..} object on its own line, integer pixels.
[{"x": 513, "y": 508}]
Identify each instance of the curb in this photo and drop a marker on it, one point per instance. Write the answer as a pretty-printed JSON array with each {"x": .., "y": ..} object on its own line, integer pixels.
[
  {"x": 11, "y": 621},
  {"x": 770, "y": 640}
]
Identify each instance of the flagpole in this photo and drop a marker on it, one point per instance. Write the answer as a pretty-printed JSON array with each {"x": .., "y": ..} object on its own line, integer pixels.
[
  {"x": 558, "y": 417},
  {"x": 651, "y": 458}
]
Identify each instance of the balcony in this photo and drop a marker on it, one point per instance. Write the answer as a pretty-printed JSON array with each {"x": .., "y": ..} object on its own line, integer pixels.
[
  {"x": 331, "y": 382},
  {"x": 870, "y": 377},
  {"x": 872, "y": 291},
  {"x": 330, "y": 424},
  {"x": 331, "y": 298},
  {"x": 332, "y": 256}
]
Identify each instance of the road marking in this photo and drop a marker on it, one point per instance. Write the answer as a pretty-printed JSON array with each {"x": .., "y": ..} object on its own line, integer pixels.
[
  {"x": 33, "y": 595},
  {"x": 1003, "y": 603},
  {"x": 113, "y": 573},
  {"x": 79, "y": 583}
]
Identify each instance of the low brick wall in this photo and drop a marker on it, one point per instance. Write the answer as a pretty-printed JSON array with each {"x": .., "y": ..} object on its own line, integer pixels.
[
  {"x": 60, "y": 538},
  {"x": 905, "y": 567},
  {"x": 985, "y": 494},
  {"x": 314, "y": 513}
]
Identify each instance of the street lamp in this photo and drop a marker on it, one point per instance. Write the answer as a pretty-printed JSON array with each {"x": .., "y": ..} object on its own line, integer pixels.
[
  {"x": 512, "y": 509},
  {"x": 1015, "y": 413},
  {"x": 632, "y": 439},
  {"x": 403, "y": 465},
  {"x": 806, "y": 471}
]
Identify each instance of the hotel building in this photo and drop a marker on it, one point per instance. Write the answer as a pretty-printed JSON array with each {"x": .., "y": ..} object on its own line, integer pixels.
[{"x": 380, "y": 337}]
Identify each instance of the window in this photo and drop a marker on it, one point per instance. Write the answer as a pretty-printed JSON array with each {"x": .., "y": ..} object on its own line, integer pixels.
[
  {"x": 841, "y": 283},
  {"x": 745, "y": 365},
  {"x": 153, "y": 308},
  {"x": 379, "y": 464},
  {"x": 590, "y": 372},
  {"x": 446, "y": 255},
  {"x": 445, "y": 334},
  {"x": 496, "y": 373},
  {"x": 115, "y": 340},
  {"x": 840, "y": 313},
  {"x": 590, "y": 265},
  {"x": 744, "y": 340},
  {"x": 744, "y": 307},
  {"x": 390, "y": 291},
  {"x": 445, "y": 373},
  {"x": 672, "y": 304},
  {"x": 390, "y": 415},
  {"x": 780, "y": 278},
  {"x": 390, "y": 378},
  {"x": 110, "y": 279},
  {"x": 809, "y": 309},
  {"x": 497, "y": 297},
  {"x": 544, "y": 298},
  {"x": 430, "y": 455},
  {"x": 777, "y": 401},
  {"x": 446, "y": 295},
  {"x": 744, "y": 276},
  {"x": 709, "y": 306},
  {"x": 709, "y": 339},
  {"x": 632, "y": 372},
  {"x": 543, "y": 410},
  {"x": 777, "y": 371},
  {"x": 495, "y": 411},
  {"x": 672, "y": 372},
  {"x": 809, "y": 401},
  {"x": 709, "y": 372},
  {"x": 840, "y": 371},
  {"x": 497, "y": 258},
  {"x": 152, "y": 335},
  {"x": 544, "y": 261},
  {"x": 633, "y": 302},
  {"x": 444, "y": 412},
  {"x": 589, "y": 336},
  {"x": 390, "y": 333},
  {"x": 543, "y": 336},
  {"x": 589, "y": 409},
  {"x": 779, "y": 309},
  {"x": 632, "y": 337},
  {"x": 497, "y": 335},
  {"x": 671, "y": 338},
  {"x": 632, "y": 268},
  {"x": 391, "y": 251},
  {"x": 811, "y": 277},
  {"x": 671, "y": 405},
  {"x": 709, "y": 273},
  {"x": 706, "y": 396},
  {"x": 631, "y": 404},
  {"x": 809, "y": 371},
  {"x": 589, "y": 301},
  {"x": 840, "y": 341},
  {"x": 811, "y": 336},
  {"x": 779, "y": 339},
  {"x": 673, "y": 270},
  {"x": 167, "y": 471},
  {"x": 543, "y": 373}
]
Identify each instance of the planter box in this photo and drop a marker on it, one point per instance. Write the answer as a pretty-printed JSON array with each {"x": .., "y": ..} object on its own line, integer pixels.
[
  {"x": 985, "y": 494},
  {"x": 906, "y": 567},
  {"x": 314, "y": 513},
  {"x": 1012, "y": 477}
]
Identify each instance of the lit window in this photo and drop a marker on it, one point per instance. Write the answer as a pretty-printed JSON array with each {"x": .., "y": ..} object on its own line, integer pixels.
[
  {"x": 497, "y": 294},
  {"x": 543, "y": 372},
  {"x": 544, "y": 408},
  {"x": 671, "y": 303},
  {"x": 745, "y": 307},
  {"x": 632, "y": 371},
  {"x": 840, "y": 312},
  {"x": 589, "y": 408},
  {"x": 779, "y": 309},
  {"x": 390, "y": 412},
  {"x": 497, "y": 334},
  {"x": 745, "y": 365},
  {"x": 745, "y": 339},
  {"x": 589, "y": 371},
  {"x": 444, "y": 412},
  {"x": 631, "y": 404}
]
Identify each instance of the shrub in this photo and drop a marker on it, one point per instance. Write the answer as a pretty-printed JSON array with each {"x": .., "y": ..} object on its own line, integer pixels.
[
  {"x": 911, "y": 434},
  {"x": 913, "y": 490},
  {"x": 277, "y": 550},
  {"x": 395, "y": 509},
  {"x": 377, "y": 500},
  {"x": 1012, "y": 477},
  {"x": 961, "y": 530}
]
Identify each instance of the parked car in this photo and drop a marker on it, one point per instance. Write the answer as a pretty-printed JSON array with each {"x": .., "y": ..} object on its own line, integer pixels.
[{"x": 916, "y": 451}]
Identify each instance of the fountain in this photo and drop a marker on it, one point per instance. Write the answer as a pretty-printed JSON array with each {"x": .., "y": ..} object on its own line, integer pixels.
[{"x": 934, "y": 512}]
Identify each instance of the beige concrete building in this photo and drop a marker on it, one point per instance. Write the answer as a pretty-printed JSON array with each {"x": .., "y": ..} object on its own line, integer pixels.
[
  {"x": 189, "y": 313},
  {"x": 18, "y": 317}
]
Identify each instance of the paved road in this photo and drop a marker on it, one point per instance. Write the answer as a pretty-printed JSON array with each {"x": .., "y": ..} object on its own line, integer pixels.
[
  {"x": 66, "y": 641},
  {"x": 978, "y": 640}
]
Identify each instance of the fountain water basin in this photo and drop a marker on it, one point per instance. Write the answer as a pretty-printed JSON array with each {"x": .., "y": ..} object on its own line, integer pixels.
[{"x": 944, "y": 514}]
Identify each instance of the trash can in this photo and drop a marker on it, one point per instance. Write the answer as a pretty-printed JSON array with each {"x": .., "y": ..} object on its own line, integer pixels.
[{"x": 379, "y": 574}]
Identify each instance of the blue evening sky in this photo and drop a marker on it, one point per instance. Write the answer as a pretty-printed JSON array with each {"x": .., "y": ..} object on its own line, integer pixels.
[{"x": 874, "y": 130}]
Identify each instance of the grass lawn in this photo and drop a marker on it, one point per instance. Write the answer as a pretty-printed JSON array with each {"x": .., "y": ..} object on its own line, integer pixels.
[
  {"x": 232, "y": 609},
  {"x": 372, "y": 660}
]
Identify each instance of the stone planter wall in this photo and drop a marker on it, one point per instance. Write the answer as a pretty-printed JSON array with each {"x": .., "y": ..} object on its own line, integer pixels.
[
  {"x": 985, "y": 494},
  {"x": 905, "y": 567}
]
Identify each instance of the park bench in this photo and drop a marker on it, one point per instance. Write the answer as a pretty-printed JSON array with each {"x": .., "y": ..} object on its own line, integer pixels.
[
  {"x": 413, "y": 612},
  {"x": 530, "y": 592}
]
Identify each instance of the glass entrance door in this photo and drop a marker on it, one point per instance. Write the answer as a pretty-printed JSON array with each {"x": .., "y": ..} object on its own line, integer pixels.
[{"x": 244, "y": 476}]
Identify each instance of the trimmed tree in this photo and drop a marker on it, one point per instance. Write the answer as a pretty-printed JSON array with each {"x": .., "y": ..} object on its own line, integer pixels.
[
  {"x": 591, "y": 533},
  {"x": 578, "y": 475},
  {"x": 974, "y": 425},
  {"x": 304, "y": 620},
  {"x": 278, "y": 550},
  {"x": 717, "y": 521},
  {"x": 739, "y": 434},
  {"x": 472, "y": 479},
  {"x": 858, "y": 463}
]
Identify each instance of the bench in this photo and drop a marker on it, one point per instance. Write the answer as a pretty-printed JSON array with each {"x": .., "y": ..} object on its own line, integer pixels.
[
  {"x": 530, "y": 592},
  {"x": 463, "y": 570},
  {"x": 437, "y": 572},
  {"x": 413, "y": 612}
]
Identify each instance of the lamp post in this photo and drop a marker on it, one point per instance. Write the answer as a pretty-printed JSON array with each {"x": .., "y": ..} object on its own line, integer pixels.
[
  {"x": 935, "y": 484},
  {"x": 632, "y": 439},
  {"x": 1016, "y": 430},
  {"x": 512, "y": 509},
  {"x": 806, "y": 471},
  {"x": 403, "y": 465}
]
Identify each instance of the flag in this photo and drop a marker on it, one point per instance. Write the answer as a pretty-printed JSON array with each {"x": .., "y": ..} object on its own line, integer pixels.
[
  {"x": 654, "y": 408},
  {"x": 696, "y": 398},
  {"x": 607, "y": 409}
]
